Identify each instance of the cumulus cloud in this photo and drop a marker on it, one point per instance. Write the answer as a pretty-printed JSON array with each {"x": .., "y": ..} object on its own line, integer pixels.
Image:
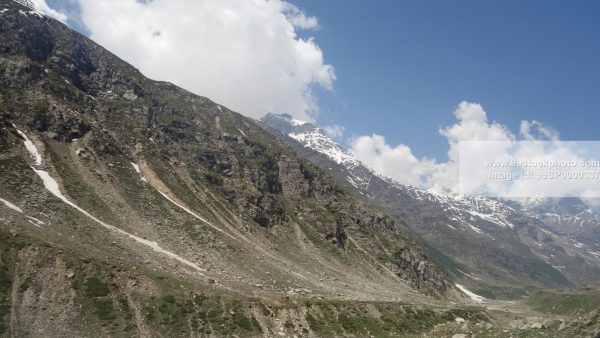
[
  {"x": 401, "y": 164},
  {"x": 472, "y": 125},
  {"x": 474, "y": 138},
  {"x": 298, "y": 18},
  {"x": 334, "y": 131},
  {"x": 244, "y": 54},
  {"x": 551, "y": 167},
  {"x": 535, "y": 130},
  {"x": 42, "y": 7},
  {"x": 397, "y": 162}
]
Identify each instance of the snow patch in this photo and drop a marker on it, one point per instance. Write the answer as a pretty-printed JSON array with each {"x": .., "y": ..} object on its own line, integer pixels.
[
  {"x": 22, "y": 12},
  {"x": 52, "y": 186},
  {"x": 351, "y": 181},
  {"x": 474, "y": 228},
  {"x": 193, "y": 214},
  {"x": 315, "y": 140},
  {"x": 41, "y": 9},
  {"x": 594, "y": 253},
  {"x": 30, "y": 147},
  {"x": 37, "y": 221},
  {"x": 295, "y": 122},
  {"x": 468, "y": 274},
  {"x": 474, "y": 297},
  {"x": 493, "y": 218},
  {"x": 137, "y": 169},
  {"x": 10, "y": 205}
]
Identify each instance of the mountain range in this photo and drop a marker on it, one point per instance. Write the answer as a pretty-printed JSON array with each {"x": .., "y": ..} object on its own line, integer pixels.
[
  {"x": 132, "y": 207},
  {"x": 498, "y": 248},
  {"x": 131, "y": 198}
]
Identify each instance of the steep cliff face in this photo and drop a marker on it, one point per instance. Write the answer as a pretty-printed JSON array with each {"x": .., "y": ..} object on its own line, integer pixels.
[{"x": 143, "y": 200}]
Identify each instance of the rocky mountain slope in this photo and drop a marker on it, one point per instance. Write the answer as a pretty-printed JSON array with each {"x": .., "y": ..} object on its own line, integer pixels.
[
  {"x": 567, "y": 216},
  {"x": 132, "y": 207},
  {"x": 498, "y": 249}
]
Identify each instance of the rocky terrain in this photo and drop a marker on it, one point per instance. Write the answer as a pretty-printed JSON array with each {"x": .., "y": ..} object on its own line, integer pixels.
[
  {"x": 130, "y": 207},
  {"x": 141, "y": 190},
  {"x": 498, "y": 249},
  {"x": 569, "y": 217}
]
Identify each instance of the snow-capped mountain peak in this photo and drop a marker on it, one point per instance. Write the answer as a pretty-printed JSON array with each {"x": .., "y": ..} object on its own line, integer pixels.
[
  {"x": 311, "y": 137},
  {"x": 317, "y": 140},
  {"x": 462, "y": 209},
  {"x": 41, "y": 9},
  {"x": 466, "y": 212}
]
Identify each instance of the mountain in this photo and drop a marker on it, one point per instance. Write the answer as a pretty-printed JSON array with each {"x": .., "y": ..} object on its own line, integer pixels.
[
  {"x": 568, "y": 216},
  {"x": 497, "y": 249},
  {"x": 565, "y": 205},
  {"x": 132, "y": 207}
]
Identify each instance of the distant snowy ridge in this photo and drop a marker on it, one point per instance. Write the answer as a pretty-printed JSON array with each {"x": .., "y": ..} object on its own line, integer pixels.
[
  {"x": 316, "y": 140},
  {"x": 465, "y": 210},
  {"x": 41, "y": 9}
]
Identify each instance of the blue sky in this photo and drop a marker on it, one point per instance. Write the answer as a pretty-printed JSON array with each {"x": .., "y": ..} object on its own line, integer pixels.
[{"x": 402, "y": 67}]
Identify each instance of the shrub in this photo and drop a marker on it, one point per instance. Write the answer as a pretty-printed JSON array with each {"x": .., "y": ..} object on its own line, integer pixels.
[{"x": 95, "y": 287}]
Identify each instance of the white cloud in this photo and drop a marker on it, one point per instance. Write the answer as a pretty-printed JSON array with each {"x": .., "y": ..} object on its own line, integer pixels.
[
  {"x": 401, "y": 164},
  {"x": 244, "y": 54},
  {"x": 498, "y": 143},
  {"x": 397, "y": 162},
  {"x": 535, "y": 130},
  {"x": 334, "y": 131},
  {"x": 42, "y": 7},
  {"x": 298, "y": 18},
  {"x": 472, "y": 125}
]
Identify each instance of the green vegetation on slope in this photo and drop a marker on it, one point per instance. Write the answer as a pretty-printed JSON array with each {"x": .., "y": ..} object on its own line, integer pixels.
[{"x": 570, "y": 301}]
